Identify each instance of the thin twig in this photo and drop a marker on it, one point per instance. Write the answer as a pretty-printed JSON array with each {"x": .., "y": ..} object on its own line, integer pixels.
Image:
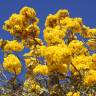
[{"x": 77, "y": 70}]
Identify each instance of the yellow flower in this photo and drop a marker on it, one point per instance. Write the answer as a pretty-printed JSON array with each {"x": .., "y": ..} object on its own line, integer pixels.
[
  {"x": 54, "y": 36},
  {"x": 38, "y": 41},
  {"x": 65, "y": 21},
  {"x": 76, "y": 94},
  {"x": 13, "y": 46},
  {"x": 87, "y": 32},
  {"x": 77, "y": 48},
  {"x": 57, "y": 55},
  {"x": 62, "y": 14},
  {"x": 93, "y": 66},
  {"x": 12, "y": 64},
  {"x": 33, "y": 30},
  {"x": 77, "y": 22},
  {"x": 41, "y": 69},
  {"x": 47, "y": 69},
  {"x": 69, "y": 94},
  {"x": 94, "y": 57},
  {"x": 62, "y": 68},
  {"x": 28, "y": 12},
  {"x": 92, "y": 44},
  {"x": 35, "y": 87},
  {"x": 41, "y": 50},
  {"x": 51, "y": 21},
  {"x": 81, "y": 62},
  {"x": 73, "y": 94},
  {"x": 32, "y": 86},
  {"x": 14, "y": 24},
  {"x": 92, "y": 33},
  {"x": 90, "y": 78},
  {"x": 90, "y": 94},
  {"x": 72, "y": 24},
  {"x": 19, "y": 24},
  {"x": 30, "y": 61}
]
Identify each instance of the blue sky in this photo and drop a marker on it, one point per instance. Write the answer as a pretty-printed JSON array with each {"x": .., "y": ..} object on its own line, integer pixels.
[{"x": 77, "y": 8}]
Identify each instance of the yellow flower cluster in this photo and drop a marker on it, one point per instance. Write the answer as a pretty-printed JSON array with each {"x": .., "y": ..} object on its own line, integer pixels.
[
  {"x": 23, "y": 24},
  {"x": 28, "y": 12},
  {"x": 93, "y": 66},
  {"x": 53, "y": 33},
  {"x": 77, "y": 48},
  {"x": 12, "y": 64},
  {"x": 73, "y": 94},
  {"x": 87, "y": 32},
  {"x": 54, "y": 36},
  {"x": 42, "y": 69},
  {"x": 56, "y": 57},
  {"x": 63, "y": 23},
  {"x": 86, "y": 65},
  {"x": 56, "y": 54},
  {"x": 90, "y": 94},
  {"x": 32, "y": 86},
  {"x": 92, "y": 44},
  {"x": 53, "y": 20},
  {"x": 90, "y": 78},
  {"x": 30, "y": 61},
  {"x": 31, "y": 42},
  {"x": 41, "y": 50},
  {"x": 61, "y": 68},
  {"x": 61, "y": 14},
  {"x": 94, "y": 57},
  {"x": 13, "y": 46},
  {"x": 48, "y": 69},
  {"x": 59, "y": 56},
  {"x": 73, "y": 24},
  {"x": 82, "y": 62}
]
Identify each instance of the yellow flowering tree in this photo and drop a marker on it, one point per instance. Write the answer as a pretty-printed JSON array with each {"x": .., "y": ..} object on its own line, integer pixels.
[{"x": 61, "y": 57}]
